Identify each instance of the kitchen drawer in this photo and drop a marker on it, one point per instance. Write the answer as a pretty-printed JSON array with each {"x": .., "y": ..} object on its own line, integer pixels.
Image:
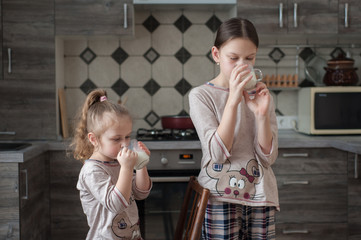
[
  {"x": 312, "y": 198},
  {"x": 310, "y": 161},
  {"x": 317, "y": 231}
]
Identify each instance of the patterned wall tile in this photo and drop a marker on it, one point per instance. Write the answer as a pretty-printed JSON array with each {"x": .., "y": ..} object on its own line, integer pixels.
[
  {"x": 198, "y": 70},
  {"x": 104, "y": 71},
  {"x": 167, "y": 71},
  {"x": 167, "y": 101},
  {"x": 75, "y": 71},
  {"x": 167, "y": 39},
  {"x": 135, "y": 71},
  {"x": 74, "y": 47},
  {"x": 168, "y": 55},
  {"x": 139, "y": 44},
  {"x": 103, "y": 46},
  {"x": 204, "y": 43}
]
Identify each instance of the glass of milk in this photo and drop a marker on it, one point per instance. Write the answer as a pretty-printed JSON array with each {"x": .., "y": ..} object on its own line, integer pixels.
[
  {"x": 143, "y": 158},
  {"x": 256, "y": 77}
]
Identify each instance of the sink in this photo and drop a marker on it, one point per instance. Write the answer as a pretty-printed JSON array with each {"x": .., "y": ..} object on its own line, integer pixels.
[{"x": 13, "y": 146}]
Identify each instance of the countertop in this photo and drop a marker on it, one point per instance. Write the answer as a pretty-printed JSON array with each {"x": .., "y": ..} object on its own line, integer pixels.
[{"x": 286, "y": 139}]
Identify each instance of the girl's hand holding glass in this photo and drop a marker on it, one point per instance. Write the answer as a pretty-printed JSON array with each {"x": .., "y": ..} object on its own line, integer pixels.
[
  {"x": 127, "y": 158},
  {"x": 143, "y": 153}
]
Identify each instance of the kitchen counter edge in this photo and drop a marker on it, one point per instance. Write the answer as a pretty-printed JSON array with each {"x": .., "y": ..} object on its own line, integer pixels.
[{"x": 286, "y": 139}]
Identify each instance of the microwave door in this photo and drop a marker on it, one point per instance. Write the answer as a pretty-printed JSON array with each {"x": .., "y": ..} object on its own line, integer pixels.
[{"x": 338, "y": 110}]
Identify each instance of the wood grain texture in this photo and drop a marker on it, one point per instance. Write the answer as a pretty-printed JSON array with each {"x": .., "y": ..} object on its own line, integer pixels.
[
  {"x": 27, "y": 93},
  {"x": 91, "y": 18},
  {"x": 68, "y": 220},
  {"x": 313, "y": 17},
  {"x": 354, "y": 17}
]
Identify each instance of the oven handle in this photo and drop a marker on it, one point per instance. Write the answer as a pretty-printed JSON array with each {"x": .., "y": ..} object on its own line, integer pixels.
[{"x": 170, "y": 179}]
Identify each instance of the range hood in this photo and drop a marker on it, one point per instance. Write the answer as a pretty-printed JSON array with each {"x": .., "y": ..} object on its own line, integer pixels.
[{"x": 225, "y": 4}]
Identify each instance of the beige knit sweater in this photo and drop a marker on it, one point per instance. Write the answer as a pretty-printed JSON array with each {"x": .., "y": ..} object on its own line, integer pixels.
[{"x": 243, "y": 175}]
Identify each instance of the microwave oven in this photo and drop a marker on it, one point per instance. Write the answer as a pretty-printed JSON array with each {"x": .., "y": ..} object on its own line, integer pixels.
[{"x": 329, "y": 110}]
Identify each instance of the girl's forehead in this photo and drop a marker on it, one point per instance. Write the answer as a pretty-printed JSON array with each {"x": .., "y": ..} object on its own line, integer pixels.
[{"x": 239, "y": 44}]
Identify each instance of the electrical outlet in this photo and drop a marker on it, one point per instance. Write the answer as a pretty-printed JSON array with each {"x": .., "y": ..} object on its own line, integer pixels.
[{"x": 287, "y": 122}]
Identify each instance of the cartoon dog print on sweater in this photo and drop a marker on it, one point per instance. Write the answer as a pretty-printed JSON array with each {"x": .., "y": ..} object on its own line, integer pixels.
[
  {"x": 123, "y": 228},
  {"x": 239, "y": 184}
]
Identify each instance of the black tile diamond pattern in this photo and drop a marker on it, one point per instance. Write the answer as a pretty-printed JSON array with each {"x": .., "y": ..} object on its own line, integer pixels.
[
  {"x": 120, "y": 87},
  {"x": 120, "y": 55},
  {"x": 210, "y": 57},
  {"x": 307, "y": 54},
  {"x": 213, "y": 23},
  {"x": 88, "y": 86},
  {"x": 151, "y": 24},
  {"x": 337, "y": 52},
  {"x": 183, "y": 87},
  {"x": 182, "y": 23},
  {"x": 183, "y": 113},
  {"x": 276, "y": 55},
  {"x": 183, "y": 55},
  {"x": 151, "y": 87},
  {"x": 151, "y": 55},
  {"x": 88, "y": 55},
  {"x": 152, "y": 118}
]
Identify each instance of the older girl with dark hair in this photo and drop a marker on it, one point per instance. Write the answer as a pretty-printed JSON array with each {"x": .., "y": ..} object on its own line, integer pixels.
[{"x": 238, "y": 133}]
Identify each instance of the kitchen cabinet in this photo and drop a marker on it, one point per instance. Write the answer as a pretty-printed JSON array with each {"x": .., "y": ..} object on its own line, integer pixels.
[
  {"x": 286, "y": 16},
  {"x": 313, "y": 187},
  {"x": 27, "y": 86},
  {"x": 354, "y": 196},
  {"x": 68, "y": 220},
  {"x": 93, "y": 18},
  {"x": 349, "y": 21},
  {"x": 24, "y": 199}
]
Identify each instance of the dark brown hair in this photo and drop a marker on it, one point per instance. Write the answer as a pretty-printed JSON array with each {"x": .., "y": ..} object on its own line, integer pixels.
[
  {"x": 236, "y": 28},
  {"x": 96, "y": 115}
]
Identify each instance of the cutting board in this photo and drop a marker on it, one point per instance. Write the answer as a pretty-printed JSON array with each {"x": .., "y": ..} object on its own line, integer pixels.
[{"x": 63, "y": 114}]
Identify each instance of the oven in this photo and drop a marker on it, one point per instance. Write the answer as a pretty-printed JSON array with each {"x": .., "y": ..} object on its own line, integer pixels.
[{"x": 172, "y": 162}]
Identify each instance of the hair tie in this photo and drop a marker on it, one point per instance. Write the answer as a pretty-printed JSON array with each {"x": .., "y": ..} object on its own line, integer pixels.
[{"x": 103, "y": 98}]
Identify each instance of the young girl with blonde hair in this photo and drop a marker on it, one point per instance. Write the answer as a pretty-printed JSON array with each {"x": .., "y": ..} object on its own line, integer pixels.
[{"x": 107, "y": 183}]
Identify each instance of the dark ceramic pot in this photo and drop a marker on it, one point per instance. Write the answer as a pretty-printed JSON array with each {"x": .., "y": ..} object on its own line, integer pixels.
[{"x": 340, "y": 72}]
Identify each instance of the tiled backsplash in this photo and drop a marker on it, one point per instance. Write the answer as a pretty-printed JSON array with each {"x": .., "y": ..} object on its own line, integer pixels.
[{"x": 169, "y": 54}]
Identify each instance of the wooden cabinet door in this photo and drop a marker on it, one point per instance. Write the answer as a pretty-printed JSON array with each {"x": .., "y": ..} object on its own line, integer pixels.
[
  {"x": 354, "y": 196},
  {"x": 34, "y": 199},
  {"x": 313, "y": 17},
  {"x": 296, "y": 16},
  {"x": 27, "y": 90},
  {"x": 9, "y": 201},
  {"x": 349, "y": 16},
  {"x": 93, "y": 17},
  {"x": 268, "y": 16}
]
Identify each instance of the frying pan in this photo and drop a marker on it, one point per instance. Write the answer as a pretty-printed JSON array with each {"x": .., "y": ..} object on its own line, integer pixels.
[{"x": 177, "y": 122}]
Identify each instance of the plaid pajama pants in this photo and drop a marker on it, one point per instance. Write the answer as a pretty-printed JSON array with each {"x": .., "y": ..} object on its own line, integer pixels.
[{"x": 238, "y": 222}]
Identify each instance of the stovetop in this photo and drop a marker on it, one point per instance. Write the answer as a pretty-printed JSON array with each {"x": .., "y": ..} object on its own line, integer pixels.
[{"x": 166, "y": 134}]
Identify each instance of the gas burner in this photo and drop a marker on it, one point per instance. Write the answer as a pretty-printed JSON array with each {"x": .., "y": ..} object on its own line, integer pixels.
[{"x": 166, "y": 134}]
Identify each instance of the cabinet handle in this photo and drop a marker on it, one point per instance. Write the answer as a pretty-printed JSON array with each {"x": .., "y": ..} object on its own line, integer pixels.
[
  {"x": 125, "y": 15},
  {"x": 356, "y": 166},
  {"x": 9, "y": 57},
  {"x": 25, "y": 171},
  {"x": 295, "y": 15},
  {"x": 301, "y": 182},
  {"x": 303, "y": 231},
  {"x": 346, "y": 15},
  {"x": 7, "y": 133},
  {"x": 281, "y": 15},
  {"x": 289, "y": 155}
]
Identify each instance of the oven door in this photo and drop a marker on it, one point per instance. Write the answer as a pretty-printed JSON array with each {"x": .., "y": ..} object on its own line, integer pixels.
[{"x": 159, "y": 212}]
